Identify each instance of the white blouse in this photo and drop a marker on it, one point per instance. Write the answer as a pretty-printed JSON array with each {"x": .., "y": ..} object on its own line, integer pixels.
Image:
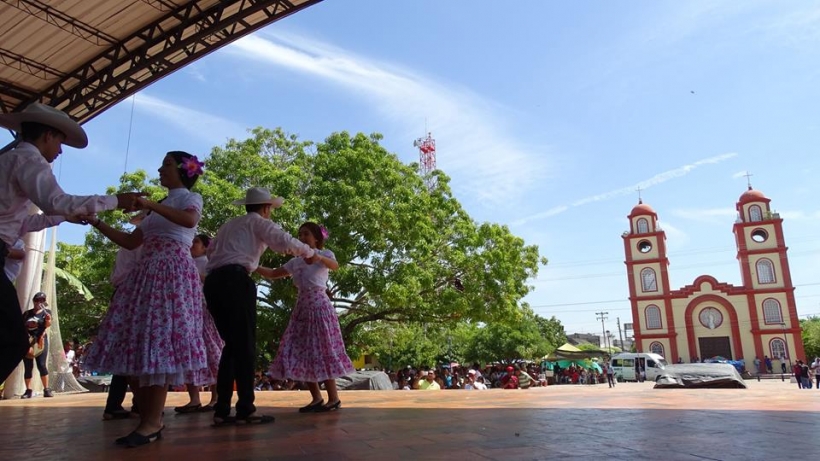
[
  {"x": 306, "y": 275},
  {"x": 155, "y": 225}
]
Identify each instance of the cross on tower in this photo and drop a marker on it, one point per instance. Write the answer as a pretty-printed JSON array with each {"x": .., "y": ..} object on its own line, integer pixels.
[
  {"x": 749, "y": 179},
  {"x": 639, "y": 194}
]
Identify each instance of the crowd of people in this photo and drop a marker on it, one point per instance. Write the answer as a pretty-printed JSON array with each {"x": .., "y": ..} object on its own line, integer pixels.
[{"x": 176, "y": 318}]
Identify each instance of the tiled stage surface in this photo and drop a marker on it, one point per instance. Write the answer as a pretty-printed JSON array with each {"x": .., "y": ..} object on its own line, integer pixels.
[{"x": 770, "y": 420}]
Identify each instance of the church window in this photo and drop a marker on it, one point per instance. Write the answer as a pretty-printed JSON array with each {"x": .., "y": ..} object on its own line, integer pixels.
[
  {"x": 653, "y": 317},
  {"x": 755, "y": 213},
  {"x": 656, "y": 348},
  {"x": 778, "y": 348},
  {"x": 648, "y": 280},
  {"x": 765, "y": 271},
  {"x": 771, "y": 312},
  {"x": 643, "y": 226}
]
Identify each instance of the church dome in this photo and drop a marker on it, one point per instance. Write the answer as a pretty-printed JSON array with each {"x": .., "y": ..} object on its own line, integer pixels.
[
  {"x": 642, "y": 208},
  {"x": 752, "y": 195}
]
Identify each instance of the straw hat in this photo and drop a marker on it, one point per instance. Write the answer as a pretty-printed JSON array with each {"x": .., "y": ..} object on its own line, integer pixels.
[
  {"x": 46, "y": 115},
  {"x": 260, "y": 196}
]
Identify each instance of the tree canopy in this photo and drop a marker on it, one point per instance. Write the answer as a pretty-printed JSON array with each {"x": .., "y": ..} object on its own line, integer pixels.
[{"x": 408, "y": 255}]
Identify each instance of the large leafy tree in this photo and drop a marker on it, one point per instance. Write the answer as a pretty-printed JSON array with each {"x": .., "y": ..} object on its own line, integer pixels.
[
  {"x": 811, "y": 337},
  {"x": 408, "y": 255}
]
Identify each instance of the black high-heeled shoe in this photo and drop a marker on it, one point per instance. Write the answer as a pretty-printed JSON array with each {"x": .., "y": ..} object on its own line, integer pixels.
[
  {"x": 310, "y": 408},
  {"x": 128, "y": 438},
  {"x": 326, "y": 408},
  {"x": 135, "y": 439}
]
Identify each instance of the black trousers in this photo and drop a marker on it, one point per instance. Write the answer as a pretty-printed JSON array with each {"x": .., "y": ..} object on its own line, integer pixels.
[
  {"x": 41, "y": 360},
  {"x": 13, "y": 335},
  {"x": 116, "y": 393},
  {"x": 231, "y": 297}
]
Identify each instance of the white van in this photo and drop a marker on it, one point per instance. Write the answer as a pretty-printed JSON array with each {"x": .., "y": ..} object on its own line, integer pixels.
[{"x": 625, "y": 365}]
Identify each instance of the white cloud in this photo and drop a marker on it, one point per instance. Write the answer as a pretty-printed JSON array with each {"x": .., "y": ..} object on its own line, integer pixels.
[
  {"x": 659, "y": 178},
  {"x": 739, "y": 174},
  {"x": 213, "y": 128},
  {"x": 676, "y": 238},
  {"x": 481, "y": 150},
  {"x": 799, "y": 215}
]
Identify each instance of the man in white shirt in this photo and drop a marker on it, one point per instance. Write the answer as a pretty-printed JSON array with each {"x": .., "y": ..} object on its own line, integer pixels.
[
  {"x": 230, "y": 294},
  {"x": 26, "y": 178},
  {"x": 473, "y": 383}
]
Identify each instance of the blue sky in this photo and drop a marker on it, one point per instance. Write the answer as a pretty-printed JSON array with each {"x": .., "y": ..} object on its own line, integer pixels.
[{"x": 547, "y": 116}]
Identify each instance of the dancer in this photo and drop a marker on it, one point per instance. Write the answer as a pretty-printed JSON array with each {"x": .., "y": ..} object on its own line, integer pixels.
[
  {"x": 312, "y": 349},
  {"x": 26, "y": 178},
  {"x": 124, "y": 263},
  {"x": 153, "y": 329},
  {"x": 213, "y": 342},
  {"x": 231, "y": 296},
  {"x": 37, "y": 321}
]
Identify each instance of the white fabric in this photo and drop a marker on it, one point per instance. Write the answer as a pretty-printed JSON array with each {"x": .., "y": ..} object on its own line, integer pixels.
[
  {"x": 155, "y": 225},
  {"x": 32, "y": 223},
  {"x": 310, "y": 275},
  {"x": 242, "y": 241},
  {"x": 201, "y": 263},
  {"x": 13, "y": 267},
  {"x": 124, "y": 263},
  {"x": 476, "y": 386},
  {"x": 25, "y": 176},
  {"x": 69, "y": 359}
]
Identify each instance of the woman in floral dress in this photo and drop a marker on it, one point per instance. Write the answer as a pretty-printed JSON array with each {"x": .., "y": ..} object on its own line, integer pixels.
[
  {"x": 312, "y": 349},
  {"x": 153, "y": 331}
]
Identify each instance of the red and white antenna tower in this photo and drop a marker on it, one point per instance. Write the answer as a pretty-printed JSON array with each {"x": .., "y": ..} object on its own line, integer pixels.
[{"x": 427, "y": 159}]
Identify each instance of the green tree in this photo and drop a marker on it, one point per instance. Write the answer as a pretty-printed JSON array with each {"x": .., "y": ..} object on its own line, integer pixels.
[
  {"x": 552, "y": 330},
  {"x": 408, "y": 255},
  {"x": 508, "y": 341},
  {"x": 811, "y": 337}
]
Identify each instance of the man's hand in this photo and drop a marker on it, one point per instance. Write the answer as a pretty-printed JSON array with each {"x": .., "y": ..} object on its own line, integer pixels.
[{"x": 128, "y": 200}]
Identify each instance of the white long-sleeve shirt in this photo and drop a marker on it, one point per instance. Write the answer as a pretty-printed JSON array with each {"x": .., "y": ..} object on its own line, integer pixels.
[
  {"x": 26, "y": 177},
  {"x": 32, "y": 223},
  {"x": 242, "y": 241}
]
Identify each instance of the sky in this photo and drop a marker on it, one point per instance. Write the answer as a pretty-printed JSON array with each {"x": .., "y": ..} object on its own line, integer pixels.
[{"x": 547, "y": 116}]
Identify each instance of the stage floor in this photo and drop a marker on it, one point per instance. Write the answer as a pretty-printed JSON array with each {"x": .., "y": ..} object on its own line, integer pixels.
[{"x": 770, "y": 420}]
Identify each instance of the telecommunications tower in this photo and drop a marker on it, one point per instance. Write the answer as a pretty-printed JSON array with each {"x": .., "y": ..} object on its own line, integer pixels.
[{"x": 427, "y": 159}]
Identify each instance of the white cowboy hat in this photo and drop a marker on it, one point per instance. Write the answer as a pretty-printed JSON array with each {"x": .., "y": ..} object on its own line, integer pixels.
[
  {"x": 46, "y": 115},
  {"x": 260, "y": 196}
]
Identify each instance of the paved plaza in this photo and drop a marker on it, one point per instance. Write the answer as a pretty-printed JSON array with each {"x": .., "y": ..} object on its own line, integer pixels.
[{"x": 769, "y": 420}]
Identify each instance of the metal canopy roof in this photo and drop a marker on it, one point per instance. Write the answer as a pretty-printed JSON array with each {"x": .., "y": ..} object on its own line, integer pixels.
[{"x": 83, "y": 56}]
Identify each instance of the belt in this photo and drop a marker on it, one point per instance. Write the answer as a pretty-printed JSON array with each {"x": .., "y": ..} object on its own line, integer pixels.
[{"x": 230, "y": 268}]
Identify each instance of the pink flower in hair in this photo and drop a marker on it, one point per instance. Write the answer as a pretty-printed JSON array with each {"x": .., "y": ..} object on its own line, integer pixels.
[
  {"x": 192, "y": 166},
  {"x": 325, "y": 233}
]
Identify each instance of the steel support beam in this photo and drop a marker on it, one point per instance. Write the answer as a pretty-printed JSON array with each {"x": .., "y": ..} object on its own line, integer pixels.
[
  {"x": 63, "y": 21},
  {"x": 154, "y": 52}
]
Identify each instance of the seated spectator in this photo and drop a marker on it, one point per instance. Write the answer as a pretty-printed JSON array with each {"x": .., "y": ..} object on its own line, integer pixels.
[
  {"x": 474, "y": 382},
  {"x": 509, "y": 380}
]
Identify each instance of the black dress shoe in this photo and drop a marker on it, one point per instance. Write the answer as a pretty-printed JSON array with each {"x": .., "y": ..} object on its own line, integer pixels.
[{"x": 311, "y": 408}]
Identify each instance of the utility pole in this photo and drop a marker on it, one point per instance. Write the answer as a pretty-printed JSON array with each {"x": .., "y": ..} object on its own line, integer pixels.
[
  {"x": 602, "y": 316},
  {"x": 620, "y": 336}
]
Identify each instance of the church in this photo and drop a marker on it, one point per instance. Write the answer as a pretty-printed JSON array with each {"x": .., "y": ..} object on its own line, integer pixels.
[{"x": 710, "y": 318}]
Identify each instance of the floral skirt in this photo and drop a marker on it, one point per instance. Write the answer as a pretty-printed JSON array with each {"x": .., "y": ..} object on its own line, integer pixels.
[
  {"x": 312, "y": 349},
  {"x": 154, "y": 329}
]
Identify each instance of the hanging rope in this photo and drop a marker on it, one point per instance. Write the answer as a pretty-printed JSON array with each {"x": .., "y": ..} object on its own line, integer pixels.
[{"x": 130, "y": 126}]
